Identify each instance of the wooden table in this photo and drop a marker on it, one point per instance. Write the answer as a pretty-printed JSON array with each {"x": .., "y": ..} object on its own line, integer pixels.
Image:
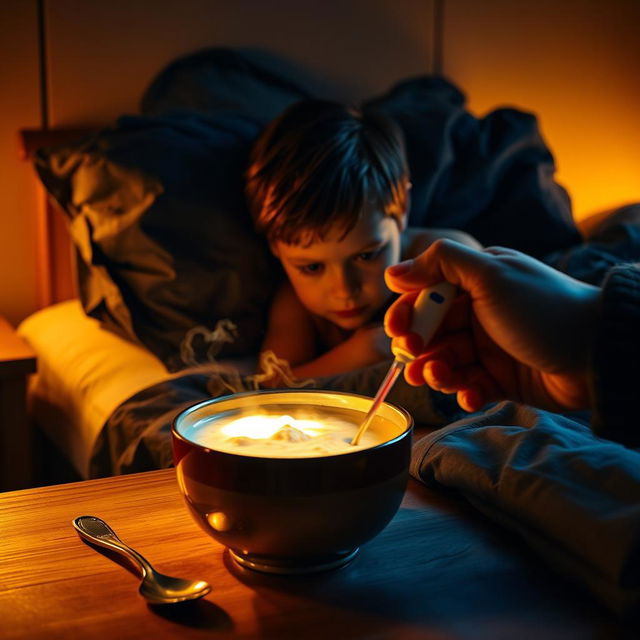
[{"x": 437, "y": 571}]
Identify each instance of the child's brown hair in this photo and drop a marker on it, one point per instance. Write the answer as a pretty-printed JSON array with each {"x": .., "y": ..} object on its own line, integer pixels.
[{"x": 319, "y": 166}]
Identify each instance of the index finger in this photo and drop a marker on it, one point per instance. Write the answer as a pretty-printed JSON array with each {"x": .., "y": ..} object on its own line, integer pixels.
[
  {"x": 444, "y": 260},
  {"x": 397, "y": 319}
]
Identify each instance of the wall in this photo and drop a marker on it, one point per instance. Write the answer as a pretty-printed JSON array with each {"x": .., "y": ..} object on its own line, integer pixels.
[
  {"x": 575, "y": 63},
  {"x": 19, "y": 107},
  {"x": 102, "y": 55}
]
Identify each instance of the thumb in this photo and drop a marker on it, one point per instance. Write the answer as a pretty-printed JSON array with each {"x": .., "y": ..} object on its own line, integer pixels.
[{"x": 445, "y": 259}]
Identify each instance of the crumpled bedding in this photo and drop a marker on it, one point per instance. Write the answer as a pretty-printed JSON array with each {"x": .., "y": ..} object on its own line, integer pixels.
[
  {"x": 491, "y": 176},
  {"x": 573, "y": 497},
  {"x": 136, "y": 437}
]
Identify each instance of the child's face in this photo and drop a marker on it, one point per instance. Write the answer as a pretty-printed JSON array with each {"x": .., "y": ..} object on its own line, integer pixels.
[{"x": 342, "y": 280}]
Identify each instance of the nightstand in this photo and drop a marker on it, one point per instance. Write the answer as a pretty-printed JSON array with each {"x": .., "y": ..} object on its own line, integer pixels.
[{"x": 17, "y": 361}]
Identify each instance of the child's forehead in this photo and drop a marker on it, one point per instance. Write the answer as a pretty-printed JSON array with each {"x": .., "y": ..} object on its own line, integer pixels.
[
  {"x": 341, "y": 227},
  {"x": 370, "y": 229}
]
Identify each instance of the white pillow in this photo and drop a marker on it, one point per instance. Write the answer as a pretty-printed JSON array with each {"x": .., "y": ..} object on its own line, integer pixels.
[{"x": 84, "y": 373}]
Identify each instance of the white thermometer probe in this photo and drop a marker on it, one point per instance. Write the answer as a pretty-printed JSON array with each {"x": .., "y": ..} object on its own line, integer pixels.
[{"x": 429, "y": 309}]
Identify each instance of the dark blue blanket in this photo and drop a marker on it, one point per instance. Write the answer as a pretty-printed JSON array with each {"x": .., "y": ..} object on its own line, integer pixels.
[{"x": 573, "y": 497}]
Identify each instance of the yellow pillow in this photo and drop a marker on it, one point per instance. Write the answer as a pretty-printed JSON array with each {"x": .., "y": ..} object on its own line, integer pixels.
[{"x": 84, "y": 373}]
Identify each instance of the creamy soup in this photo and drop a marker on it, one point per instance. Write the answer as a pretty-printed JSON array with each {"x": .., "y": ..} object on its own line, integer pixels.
[{"x": 283, "y": 436}]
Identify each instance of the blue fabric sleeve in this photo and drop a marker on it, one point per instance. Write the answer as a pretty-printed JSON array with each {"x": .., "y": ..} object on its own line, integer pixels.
[{"x": 572, "y": 496}]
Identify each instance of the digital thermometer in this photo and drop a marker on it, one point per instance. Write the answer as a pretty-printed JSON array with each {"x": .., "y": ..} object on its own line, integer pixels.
[{"x": 429, "y": 309}]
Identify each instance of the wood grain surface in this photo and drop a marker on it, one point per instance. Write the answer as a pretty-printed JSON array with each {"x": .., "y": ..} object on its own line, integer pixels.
[{"x": 437, "y": 571}]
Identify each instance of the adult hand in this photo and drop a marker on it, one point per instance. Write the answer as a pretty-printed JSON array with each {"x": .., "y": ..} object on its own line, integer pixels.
[{"x": 520, "y": 330}]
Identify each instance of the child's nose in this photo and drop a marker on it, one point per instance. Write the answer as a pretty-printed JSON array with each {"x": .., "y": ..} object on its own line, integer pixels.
[{"x": 346, "y": 283}]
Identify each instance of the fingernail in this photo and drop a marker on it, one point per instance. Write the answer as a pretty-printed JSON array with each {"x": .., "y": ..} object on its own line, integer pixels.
[{"x": 400, "y": 268}]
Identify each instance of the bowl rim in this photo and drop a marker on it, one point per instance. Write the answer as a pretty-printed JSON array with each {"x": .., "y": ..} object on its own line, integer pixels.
[{"x": 194, "y": 407}]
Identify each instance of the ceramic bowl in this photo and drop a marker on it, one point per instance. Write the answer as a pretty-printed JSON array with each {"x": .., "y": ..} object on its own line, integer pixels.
[{"x": 293, "y": 515}]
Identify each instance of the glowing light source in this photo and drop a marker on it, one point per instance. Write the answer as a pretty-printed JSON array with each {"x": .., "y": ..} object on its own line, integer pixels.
[
  {"x": 283, "y": 436},
  {"x": 268, "y": 426}
]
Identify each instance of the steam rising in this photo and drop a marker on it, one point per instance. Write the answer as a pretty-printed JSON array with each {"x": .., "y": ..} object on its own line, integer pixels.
[
  {"x": 225, "y": 376},
  {"x": 283, "y": 429},
  {"x": 224, "y": 332},
  {"x": 269, "y": 365}
]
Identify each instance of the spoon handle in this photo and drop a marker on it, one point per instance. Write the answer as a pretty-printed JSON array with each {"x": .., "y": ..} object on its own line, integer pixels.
[{"x": 98, "y": 532}]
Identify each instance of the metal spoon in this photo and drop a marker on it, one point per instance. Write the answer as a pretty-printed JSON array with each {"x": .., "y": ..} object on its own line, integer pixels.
[{"x": 155, "y": 587}]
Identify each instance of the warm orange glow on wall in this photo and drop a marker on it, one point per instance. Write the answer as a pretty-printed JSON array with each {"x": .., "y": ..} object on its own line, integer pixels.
[
  {"x": 574, "y": 64},
  {"x": 18, "y": 108}
]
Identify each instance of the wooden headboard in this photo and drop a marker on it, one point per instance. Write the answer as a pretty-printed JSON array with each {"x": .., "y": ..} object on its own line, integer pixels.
[{"x": 55, "y": 254}]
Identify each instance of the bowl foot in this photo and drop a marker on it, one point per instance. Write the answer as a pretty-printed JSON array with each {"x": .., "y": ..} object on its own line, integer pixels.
[{"x": 293, "y": 566}]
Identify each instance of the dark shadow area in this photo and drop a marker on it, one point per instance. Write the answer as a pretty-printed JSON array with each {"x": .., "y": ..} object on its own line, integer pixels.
[
  {"x": 196, "y": 614},
  {"x": 440, "y": 571},
  {"x": 51, "y": 466}
]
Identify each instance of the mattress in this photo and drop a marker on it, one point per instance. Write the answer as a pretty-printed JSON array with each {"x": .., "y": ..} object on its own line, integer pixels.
[{"x": 84, "y": 373}]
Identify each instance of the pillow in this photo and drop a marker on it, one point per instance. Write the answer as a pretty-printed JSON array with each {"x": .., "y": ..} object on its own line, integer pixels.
[
  {"x": 157, "y": 211},
  {"x": 166, "y": 244},
  {"x": 84, "y": 374}
]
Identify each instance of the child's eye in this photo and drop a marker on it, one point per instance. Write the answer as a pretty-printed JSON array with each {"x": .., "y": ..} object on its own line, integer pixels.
[
  {"x": 368, "y": 256},
  {"x": 310, "y": 269}
]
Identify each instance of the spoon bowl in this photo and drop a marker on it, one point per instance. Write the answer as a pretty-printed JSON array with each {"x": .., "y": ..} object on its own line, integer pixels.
[
  {"x": 155, "y": 587},
  {"x": 160, "y": 589}
]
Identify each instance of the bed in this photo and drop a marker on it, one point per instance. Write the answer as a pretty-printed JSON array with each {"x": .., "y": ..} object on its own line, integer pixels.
[
  {"x": 135, "y": 319},
  {"x": 155, "y": 288}
]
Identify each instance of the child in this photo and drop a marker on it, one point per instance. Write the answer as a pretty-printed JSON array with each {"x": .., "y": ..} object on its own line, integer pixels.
[{"x": 329, "y": 187}]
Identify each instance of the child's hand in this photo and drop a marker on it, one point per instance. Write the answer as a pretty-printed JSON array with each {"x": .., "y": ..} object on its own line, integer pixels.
[{"x": 372, "y": 343}]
